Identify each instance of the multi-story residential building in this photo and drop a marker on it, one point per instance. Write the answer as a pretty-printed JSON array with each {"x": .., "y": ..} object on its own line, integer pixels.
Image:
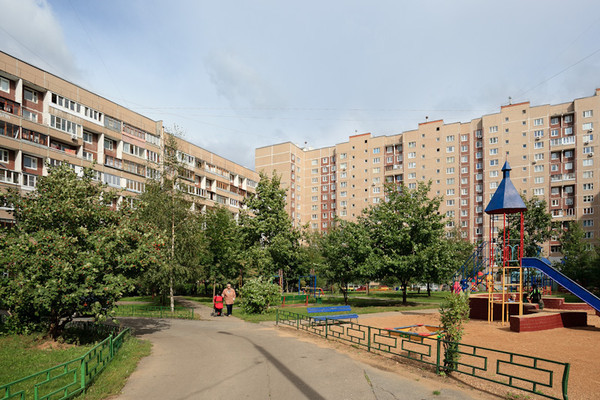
[
  {"x": 551, "y": 149},
  {"x": 46, "y": 120}
]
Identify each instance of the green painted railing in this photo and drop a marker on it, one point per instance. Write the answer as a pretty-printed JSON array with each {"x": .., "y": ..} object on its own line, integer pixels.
[
  {"x": 536, "y": 375},
  {"x": 68, "y": 379},
  {"x": 154, "y": 311}
]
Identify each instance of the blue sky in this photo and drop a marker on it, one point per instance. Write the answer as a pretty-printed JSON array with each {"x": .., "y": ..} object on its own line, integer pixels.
[{"x": 236, "y": 75}]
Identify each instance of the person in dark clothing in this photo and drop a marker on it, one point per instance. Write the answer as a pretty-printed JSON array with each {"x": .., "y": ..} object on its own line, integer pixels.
[{"x": 535, "y": 296}]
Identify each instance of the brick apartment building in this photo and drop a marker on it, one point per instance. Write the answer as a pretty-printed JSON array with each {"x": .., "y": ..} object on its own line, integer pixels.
[
  {"x": 549, "y": 147},
  {"x": 46, "y": 120}
]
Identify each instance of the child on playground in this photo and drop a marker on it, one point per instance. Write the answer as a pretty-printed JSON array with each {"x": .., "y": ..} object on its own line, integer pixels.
[
  {"x": 218, "y": 304},
  {"x": 535, "y": 296}
]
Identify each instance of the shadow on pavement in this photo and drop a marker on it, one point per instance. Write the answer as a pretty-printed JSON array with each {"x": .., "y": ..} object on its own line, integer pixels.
[
  {"x": 145, "y": 326},
  {"x": 309, "y": 392}
]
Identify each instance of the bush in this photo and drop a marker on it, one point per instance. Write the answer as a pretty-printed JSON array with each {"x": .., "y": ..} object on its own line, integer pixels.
[
  {"x": 258, "y": 295},
  {"x": 454, "y": 312}
]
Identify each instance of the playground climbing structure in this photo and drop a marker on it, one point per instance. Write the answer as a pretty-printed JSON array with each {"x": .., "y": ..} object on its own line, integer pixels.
[{"x": 505, "y": 270}]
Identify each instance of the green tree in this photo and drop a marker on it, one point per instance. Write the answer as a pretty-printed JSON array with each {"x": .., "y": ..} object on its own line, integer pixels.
[
  {"x": 444, "y": 257},
  {"x": 164, "y": 205},
  {"x": 578, "y": 260},
  {"x": 454, "y": 313},
  {"x": 70, "y": 252},
  {"x": 258, "y": 295},
  {"x": 223, "y": 246},
  {"x": 403, "y": 229},
  {"x": 270, "y": 241},
  {"x": 538, "y": 226},
  {"x": 346, "y": 249}
]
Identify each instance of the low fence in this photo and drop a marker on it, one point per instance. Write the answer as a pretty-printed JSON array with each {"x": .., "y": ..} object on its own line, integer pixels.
[
  {"x": 154, "y": 311},
  {"x": 536, "y": 375},
  {"x": 68, "y": 379}
]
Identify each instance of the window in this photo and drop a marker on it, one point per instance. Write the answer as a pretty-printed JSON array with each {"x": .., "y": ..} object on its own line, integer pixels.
[
  {"x": 588, "y": 222},
  {"x": 493, "y": 151},
  {"x": 343, "y": 156},
  {"x": 376, "y": 160},
  {"x": 314, "y": 171},
  {"x": 539, "y": 179},
  {"x": 569, "y": 130},
  {"x": 494, "y": 162},
  {"x": 449, "y": 181},
  {"x": 87, "y": 137},
  {"x": 449, "y": 203},
  {"x": 464, "y": 149},
  {"x": 538, "y": 191},
  {"x": 449, "y": 160},
  {"x": 412, "y": 175},
  {"x": 493, "y": 174},
  {"x": 588, "y": 126},
  {"x": 450, "y": 149},
  {"x": 538, "y": 156},
  {"x": 538, "y": 134},
  {"x": 493, "y": 129},
  {"x": 376, "y": 170},
  {"x": 29, "y": 115},
  {"x": 134, "y": 150},
  {"x": 494, "y": 140},
  {"x": 64, "y": 125},
  {"x": 412, "y": 155},
  {"x": 376, "y": 150},
  {"x": 3, "y": 156},
  {"x": 538, "y": 145},
  {"x": 538, "y": 121},
  {"x": 30, "y": 162},
  {"x": 449, "y": 192},
  {"x": 134, "y": 186},
  {"x": 4, "y": 85},
  {"x": 554, "y": 121},
  {"x": 112, "y": 180},
  {"x": 450, "y": 138},
  {"x": 30, "y": 95},
  {"x": 88, "y": 156},
  {"x": 588, "y": 150},
  {"x": 493, "y": 185},
  {"x": 412, "y": 165},
  {"x": 588, "y": 198},
  {"x": 568, "y": 118},
  {"x": 588, "y": 162},
  {"x": 152, "y": 139}
]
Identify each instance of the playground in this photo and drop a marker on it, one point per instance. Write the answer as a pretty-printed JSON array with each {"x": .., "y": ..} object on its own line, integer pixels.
[{"x": 577, "y": 346}]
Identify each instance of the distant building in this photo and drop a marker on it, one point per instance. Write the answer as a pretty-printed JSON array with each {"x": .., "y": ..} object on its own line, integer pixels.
[
  {"x": 551, "y": 149},
  {"x": 46, "y": 120}
]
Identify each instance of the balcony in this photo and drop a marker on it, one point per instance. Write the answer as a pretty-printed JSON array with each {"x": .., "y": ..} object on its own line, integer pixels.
[
  {"x": 7, "y": 176},
  {"x": 9, "y": 130},
  {"x": 10, "y": 106}
]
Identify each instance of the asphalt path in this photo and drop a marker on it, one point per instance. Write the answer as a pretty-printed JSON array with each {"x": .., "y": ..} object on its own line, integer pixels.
[{"x": 227, "y": 358}]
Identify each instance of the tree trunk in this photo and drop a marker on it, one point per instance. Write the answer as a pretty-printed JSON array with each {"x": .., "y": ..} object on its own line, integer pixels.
[
  {"x": 171, "y": 294},
  {"x": 428, "y": 290},
  {"x": 344, "y": 289},
  {"x": 367, "y": 288},
  {"x": 214, "y": 287},
  {"x": 404, "y": 287}
]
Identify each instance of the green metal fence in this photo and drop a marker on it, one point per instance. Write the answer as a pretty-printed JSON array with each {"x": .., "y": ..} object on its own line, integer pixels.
[
  {"x": 154, "y": 311},
  {"x": 68, "y": 379},
  {"x": 541, "y": 376}
]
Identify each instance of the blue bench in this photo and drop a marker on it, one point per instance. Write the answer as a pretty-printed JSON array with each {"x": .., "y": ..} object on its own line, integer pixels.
[{"x": 333, "y": 313}]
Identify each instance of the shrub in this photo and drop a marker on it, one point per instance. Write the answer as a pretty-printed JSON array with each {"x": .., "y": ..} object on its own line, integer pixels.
[
  {"x": 258, "y": 295},
  {"x": 454, "y": 312}
]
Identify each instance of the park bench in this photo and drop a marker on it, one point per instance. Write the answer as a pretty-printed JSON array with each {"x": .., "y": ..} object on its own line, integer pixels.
[{"x": 331, "y": 313}]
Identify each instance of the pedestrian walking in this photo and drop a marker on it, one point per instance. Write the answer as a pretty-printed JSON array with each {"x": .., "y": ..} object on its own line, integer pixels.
[{"x": 229, "y": 297}]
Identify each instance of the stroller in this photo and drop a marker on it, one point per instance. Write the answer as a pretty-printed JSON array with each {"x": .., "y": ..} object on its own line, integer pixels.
[{"x": 218, "y": 305}]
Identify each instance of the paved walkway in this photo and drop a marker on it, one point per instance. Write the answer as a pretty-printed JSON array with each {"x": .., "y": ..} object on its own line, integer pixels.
[{"x": 226, "y": 358}]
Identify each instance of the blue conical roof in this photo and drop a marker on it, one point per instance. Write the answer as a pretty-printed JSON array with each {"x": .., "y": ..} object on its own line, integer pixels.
[{"x": 506, "y": 199}]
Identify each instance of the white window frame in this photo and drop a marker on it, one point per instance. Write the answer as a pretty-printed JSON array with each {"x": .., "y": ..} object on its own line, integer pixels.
[{"x": 33, "y": 162}]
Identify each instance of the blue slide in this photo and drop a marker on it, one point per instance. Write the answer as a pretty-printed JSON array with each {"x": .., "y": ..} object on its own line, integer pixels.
[{"x": 543, "y": 265}]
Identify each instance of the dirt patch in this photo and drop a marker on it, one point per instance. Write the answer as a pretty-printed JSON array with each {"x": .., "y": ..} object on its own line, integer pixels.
[
  {"x": 577, "y": 346},
  {"x": 49, "y": 344}
]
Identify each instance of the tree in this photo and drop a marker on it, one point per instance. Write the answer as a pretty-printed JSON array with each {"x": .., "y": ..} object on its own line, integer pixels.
[
  {"x": 270, "y": 241},
  {"x": 164, "y": 205},
  {"x": 403, "y": 228},
  {"x": 578, "y": 260},
  {"x": 444, "y": 257},
  {"x": 345, "y": 249},
  {"x": 538, "y": 226},
  {"x": 221, "y": 233},
  {"x": 70, "y": 252},
  {"x": 454, "y": 313}
]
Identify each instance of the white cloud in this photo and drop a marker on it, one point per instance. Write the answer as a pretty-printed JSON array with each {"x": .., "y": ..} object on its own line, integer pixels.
[
  {"x": 31, "y": 32},
  {"x": 242, "y": 85}
]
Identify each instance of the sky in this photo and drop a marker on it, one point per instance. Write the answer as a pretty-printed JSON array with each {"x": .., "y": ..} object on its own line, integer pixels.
[{"x": 236, "y": 75}]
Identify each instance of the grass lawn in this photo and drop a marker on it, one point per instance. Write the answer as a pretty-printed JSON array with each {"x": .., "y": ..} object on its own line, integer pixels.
[{"x": 23, "y": 355}]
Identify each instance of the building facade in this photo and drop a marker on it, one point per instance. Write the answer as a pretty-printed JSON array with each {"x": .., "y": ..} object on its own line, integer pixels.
[
  {"x": 46, "y": 120},
  {"x": 551, "y": 149}
]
